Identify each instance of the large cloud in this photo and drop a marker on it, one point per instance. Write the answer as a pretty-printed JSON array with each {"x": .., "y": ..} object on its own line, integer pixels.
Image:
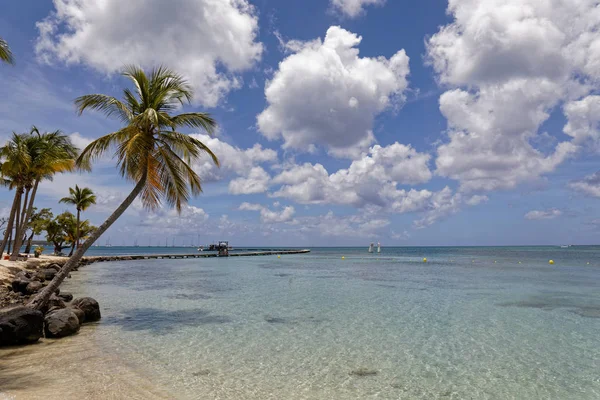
[
  {"x": 208, "y": 41},
  {"x": 326, "y": 94},
  {"x": 370, "y": 180},
  {"x": 509, "y": 64},
  {"x": 353, "y": 8},
  {"x": 372, "y": 183}
]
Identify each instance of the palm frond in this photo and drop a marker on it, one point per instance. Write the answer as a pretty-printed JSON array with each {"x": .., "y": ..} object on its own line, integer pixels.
[
  {"x": 105, "y": 104},
  {"x": 5, "y": 53}
]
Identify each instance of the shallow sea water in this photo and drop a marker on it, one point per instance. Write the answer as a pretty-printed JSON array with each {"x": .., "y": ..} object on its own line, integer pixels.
[{"x": 471, "y": 323}]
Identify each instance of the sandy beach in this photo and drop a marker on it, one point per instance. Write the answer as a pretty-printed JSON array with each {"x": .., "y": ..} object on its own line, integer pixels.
[{"x": 71, "y": 368}]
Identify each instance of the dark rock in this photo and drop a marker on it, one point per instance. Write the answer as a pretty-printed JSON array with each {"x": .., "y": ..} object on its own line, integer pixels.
[
  {"x": 80, "y": 314},
  {"x": 47, "y": 273},
  {"x": 65, "y": 296},
  {"x": 20, "y": 325},
  {"x": 55, "y": 303},
  {"x": 89, "y": 306},
  {"x": 61, "y": 323},
  {"x": 33, "y": 287},
  {"x": 57, "y": 292},
  {"x": 54, "y": 266},
  {"x": 20, "y": 285}
]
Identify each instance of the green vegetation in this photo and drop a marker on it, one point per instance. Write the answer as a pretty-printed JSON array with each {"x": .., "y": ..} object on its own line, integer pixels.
[
  {"x": 27, "y": 159},
  {"x": 150, "y": 150},
  {"x": 81, "y": 199}
]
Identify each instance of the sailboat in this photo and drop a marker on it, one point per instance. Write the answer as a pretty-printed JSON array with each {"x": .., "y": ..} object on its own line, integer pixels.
[
  {"x": 108, "y": 243},
  {"x": 378, "y": 247},
  {"x": 371, "y": 247}
]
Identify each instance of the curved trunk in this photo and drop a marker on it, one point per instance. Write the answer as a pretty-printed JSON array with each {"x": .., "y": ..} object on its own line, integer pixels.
[
  {"x": 26, "y": 216},
  {"x": 57, "y": 248},
  {"x": 9, "y": 225},
  {"x": 42, "y": 297},
  {"x": 72, "y": 247},
  {"x": 77, "y": 230},
  {"x": 29, "y": 240}
]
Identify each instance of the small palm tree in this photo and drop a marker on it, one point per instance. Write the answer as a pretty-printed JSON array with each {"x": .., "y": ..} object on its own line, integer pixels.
[
  {"x": 81, "y": 199},
  {"x": 5, "y": 53},
  {"x": 150, "y": 150}
]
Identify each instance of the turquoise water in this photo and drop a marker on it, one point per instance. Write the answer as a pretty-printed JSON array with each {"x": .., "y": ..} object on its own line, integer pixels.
[{"x": 471, "y": 323}]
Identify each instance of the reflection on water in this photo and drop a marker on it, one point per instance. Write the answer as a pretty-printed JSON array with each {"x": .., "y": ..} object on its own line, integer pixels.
[{"x": 470, "y": 323}]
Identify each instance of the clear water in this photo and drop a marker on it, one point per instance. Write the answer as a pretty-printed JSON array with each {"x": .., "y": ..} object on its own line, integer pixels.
[{"x": 480, "y": 323}]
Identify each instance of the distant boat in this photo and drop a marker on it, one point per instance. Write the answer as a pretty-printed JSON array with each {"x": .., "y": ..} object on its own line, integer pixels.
[
  {"x": 378, "y": 247},
  {"x": 565, "y": 246},
  {"x": 108, "y": 243},
  {"x": 371, "y": 247}
]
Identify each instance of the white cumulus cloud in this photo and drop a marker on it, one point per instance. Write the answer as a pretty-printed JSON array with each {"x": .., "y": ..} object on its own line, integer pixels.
[
  {"x": 325, "y": 94},
  {"x": 209, "y": 41},
  {"x": 354, "y": 8},
  {"x": 267, "y": 216},
  {"x": 589, "y": 185},
  {"x": 234, "y": 161},
  {"x": 508, "y": 64},
  {"x": 257, "y": 181},
  {"x": 543, "y": 214}
]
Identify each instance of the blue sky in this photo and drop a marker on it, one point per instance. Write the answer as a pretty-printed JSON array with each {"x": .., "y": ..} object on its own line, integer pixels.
[{"x": 342, "y": 122}]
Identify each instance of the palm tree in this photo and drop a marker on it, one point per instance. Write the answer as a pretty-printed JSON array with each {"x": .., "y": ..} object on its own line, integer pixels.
[
  {"x": 5, "y": 53},
  {"x": 50, "y": 153},
  {"x": 150, "y": 151},
  {"x": 16, "y": 160},
  {"x": 81, "y": 199}
]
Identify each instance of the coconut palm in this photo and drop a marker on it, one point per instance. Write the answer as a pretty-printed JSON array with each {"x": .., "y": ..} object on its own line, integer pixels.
[
  {"x": 50, "y": 153},
  {"x": 16, "y": 160},
  {"x": 150, "y": 151},
  {"x": 5, "y": 53},
  {"x": 81, "y": 199}
]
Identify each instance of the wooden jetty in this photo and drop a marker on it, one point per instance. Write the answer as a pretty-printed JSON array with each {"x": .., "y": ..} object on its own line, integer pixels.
[{"x": 93, "y": 259}]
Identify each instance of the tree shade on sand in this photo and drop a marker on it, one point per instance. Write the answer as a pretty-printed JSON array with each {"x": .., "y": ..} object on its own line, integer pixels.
[{"x": 149, "y": 150}]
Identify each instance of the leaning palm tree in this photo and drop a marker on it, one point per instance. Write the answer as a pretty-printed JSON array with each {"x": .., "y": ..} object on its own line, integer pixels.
[
  {"x": 150, "y": 151},
  {"x": 81, "y": 198},
  {"x": 5, "y": 53}
]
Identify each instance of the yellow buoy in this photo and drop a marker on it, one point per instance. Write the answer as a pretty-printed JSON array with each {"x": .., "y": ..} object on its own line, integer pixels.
[
  {"x": 425, "y": 260},
  {"x": 278, "y": 256},
  {"x": 551, "y": 262},
  {"x": 343, "y": 258}
]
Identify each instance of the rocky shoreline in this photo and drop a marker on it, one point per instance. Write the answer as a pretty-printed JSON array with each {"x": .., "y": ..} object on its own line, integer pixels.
[{"x": 61, "y": 317}]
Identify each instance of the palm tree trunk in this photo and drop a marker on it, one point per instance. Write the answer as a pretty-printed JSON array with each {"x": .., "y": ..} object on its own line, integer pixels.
[
  {"x": 9, "y": 225},
  {"x": 77, "y": 229},
  {"x": 9, "y": 243},
  {"x": 24, "y": 206},
  {"x": 29, "y": 240},
  {"x": 17, "y": 222},
  {"x": 42, "y": 297},
  {"x": 72, "y": 247},
  {"x": 25, "y": 220}
]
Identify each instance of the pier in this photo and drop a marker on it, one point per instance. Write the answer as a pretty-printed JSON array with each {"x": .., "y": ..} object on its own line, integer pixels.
[{"x": 93, "y": 259}]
